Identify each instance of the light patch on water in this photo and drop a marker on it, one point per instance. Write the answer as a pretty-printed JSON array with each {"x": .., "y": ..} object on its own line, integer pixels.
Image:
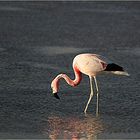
[
  {"x": 57, "y": 50},
  {"x": 8, "y": 8},
  {"x": 2, "y": 49},
  {"x": 109, "y": 10},
  {"x": 42, "y": 65},
  {"x": 131, "y": 51}
]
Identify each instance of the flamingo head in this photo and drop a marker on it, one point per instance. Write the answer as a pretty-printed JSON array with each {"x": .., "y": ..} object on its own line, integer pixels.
[{"x": 54, "y": 87}]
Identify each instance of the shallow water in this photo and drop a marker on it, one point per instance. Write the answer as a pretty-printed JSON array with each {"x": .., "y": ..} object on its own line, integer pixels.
[{"x": 39, "y": 40}]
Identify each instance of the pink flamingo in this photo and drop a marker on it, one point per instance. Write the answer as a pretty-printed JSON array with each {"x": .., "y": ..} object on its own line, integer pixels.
[{"x": 91, "y": 65}]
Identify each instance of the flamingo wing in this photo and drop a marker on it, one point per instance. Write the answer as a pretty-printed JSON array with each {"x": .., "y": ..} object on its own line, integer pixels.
[{"x": 90, "y": 64}]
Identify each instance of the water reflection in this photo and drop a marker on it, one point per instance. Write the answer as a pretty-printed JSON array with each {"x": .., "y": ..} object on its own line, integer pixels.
[{"x": 75, "y": 128}]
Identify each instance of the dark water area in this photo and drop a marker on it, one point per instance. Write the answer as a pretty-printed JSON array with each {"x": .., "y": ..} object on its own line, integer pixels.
[{"x": 39, "y": 40}]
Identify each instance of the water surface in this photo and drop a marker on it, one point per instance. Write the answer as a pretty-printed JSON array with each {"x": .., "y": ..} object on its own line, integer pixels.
[{"x": 38, "y": 40}]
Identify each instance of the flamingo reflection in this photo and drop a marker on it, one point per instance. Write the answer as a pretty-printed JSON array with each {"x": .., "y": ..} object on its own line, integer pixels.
[{"x": 74, "y": 128}]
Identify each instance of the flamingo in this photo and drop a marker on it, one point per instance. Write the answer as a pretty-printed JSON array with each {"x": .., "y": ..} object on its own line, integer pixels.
[{"x": 90, "y": 65}]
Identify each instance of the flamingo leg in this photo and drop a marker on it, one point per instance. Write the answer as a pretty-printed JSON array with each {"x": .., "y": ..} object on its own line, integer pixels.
[
  {"x": 91, "y": 94},
  {"x": 97, "y": 103}
]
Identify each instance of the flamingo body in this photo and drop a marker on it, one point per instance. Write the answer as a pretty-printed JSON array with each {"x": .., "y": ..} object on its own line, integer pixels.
[{"x": 91, "y": 65}]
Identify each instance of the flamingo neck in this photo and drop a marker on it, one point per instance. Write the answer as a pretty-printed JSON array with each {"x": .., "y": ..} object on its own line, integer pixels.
[{"x": 75, "y": 82}]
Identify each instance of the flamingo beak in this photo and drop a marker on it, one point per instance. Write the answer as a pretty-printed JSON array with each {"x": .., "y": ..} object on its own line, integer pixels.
[{"x": 56, "y": 96}]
